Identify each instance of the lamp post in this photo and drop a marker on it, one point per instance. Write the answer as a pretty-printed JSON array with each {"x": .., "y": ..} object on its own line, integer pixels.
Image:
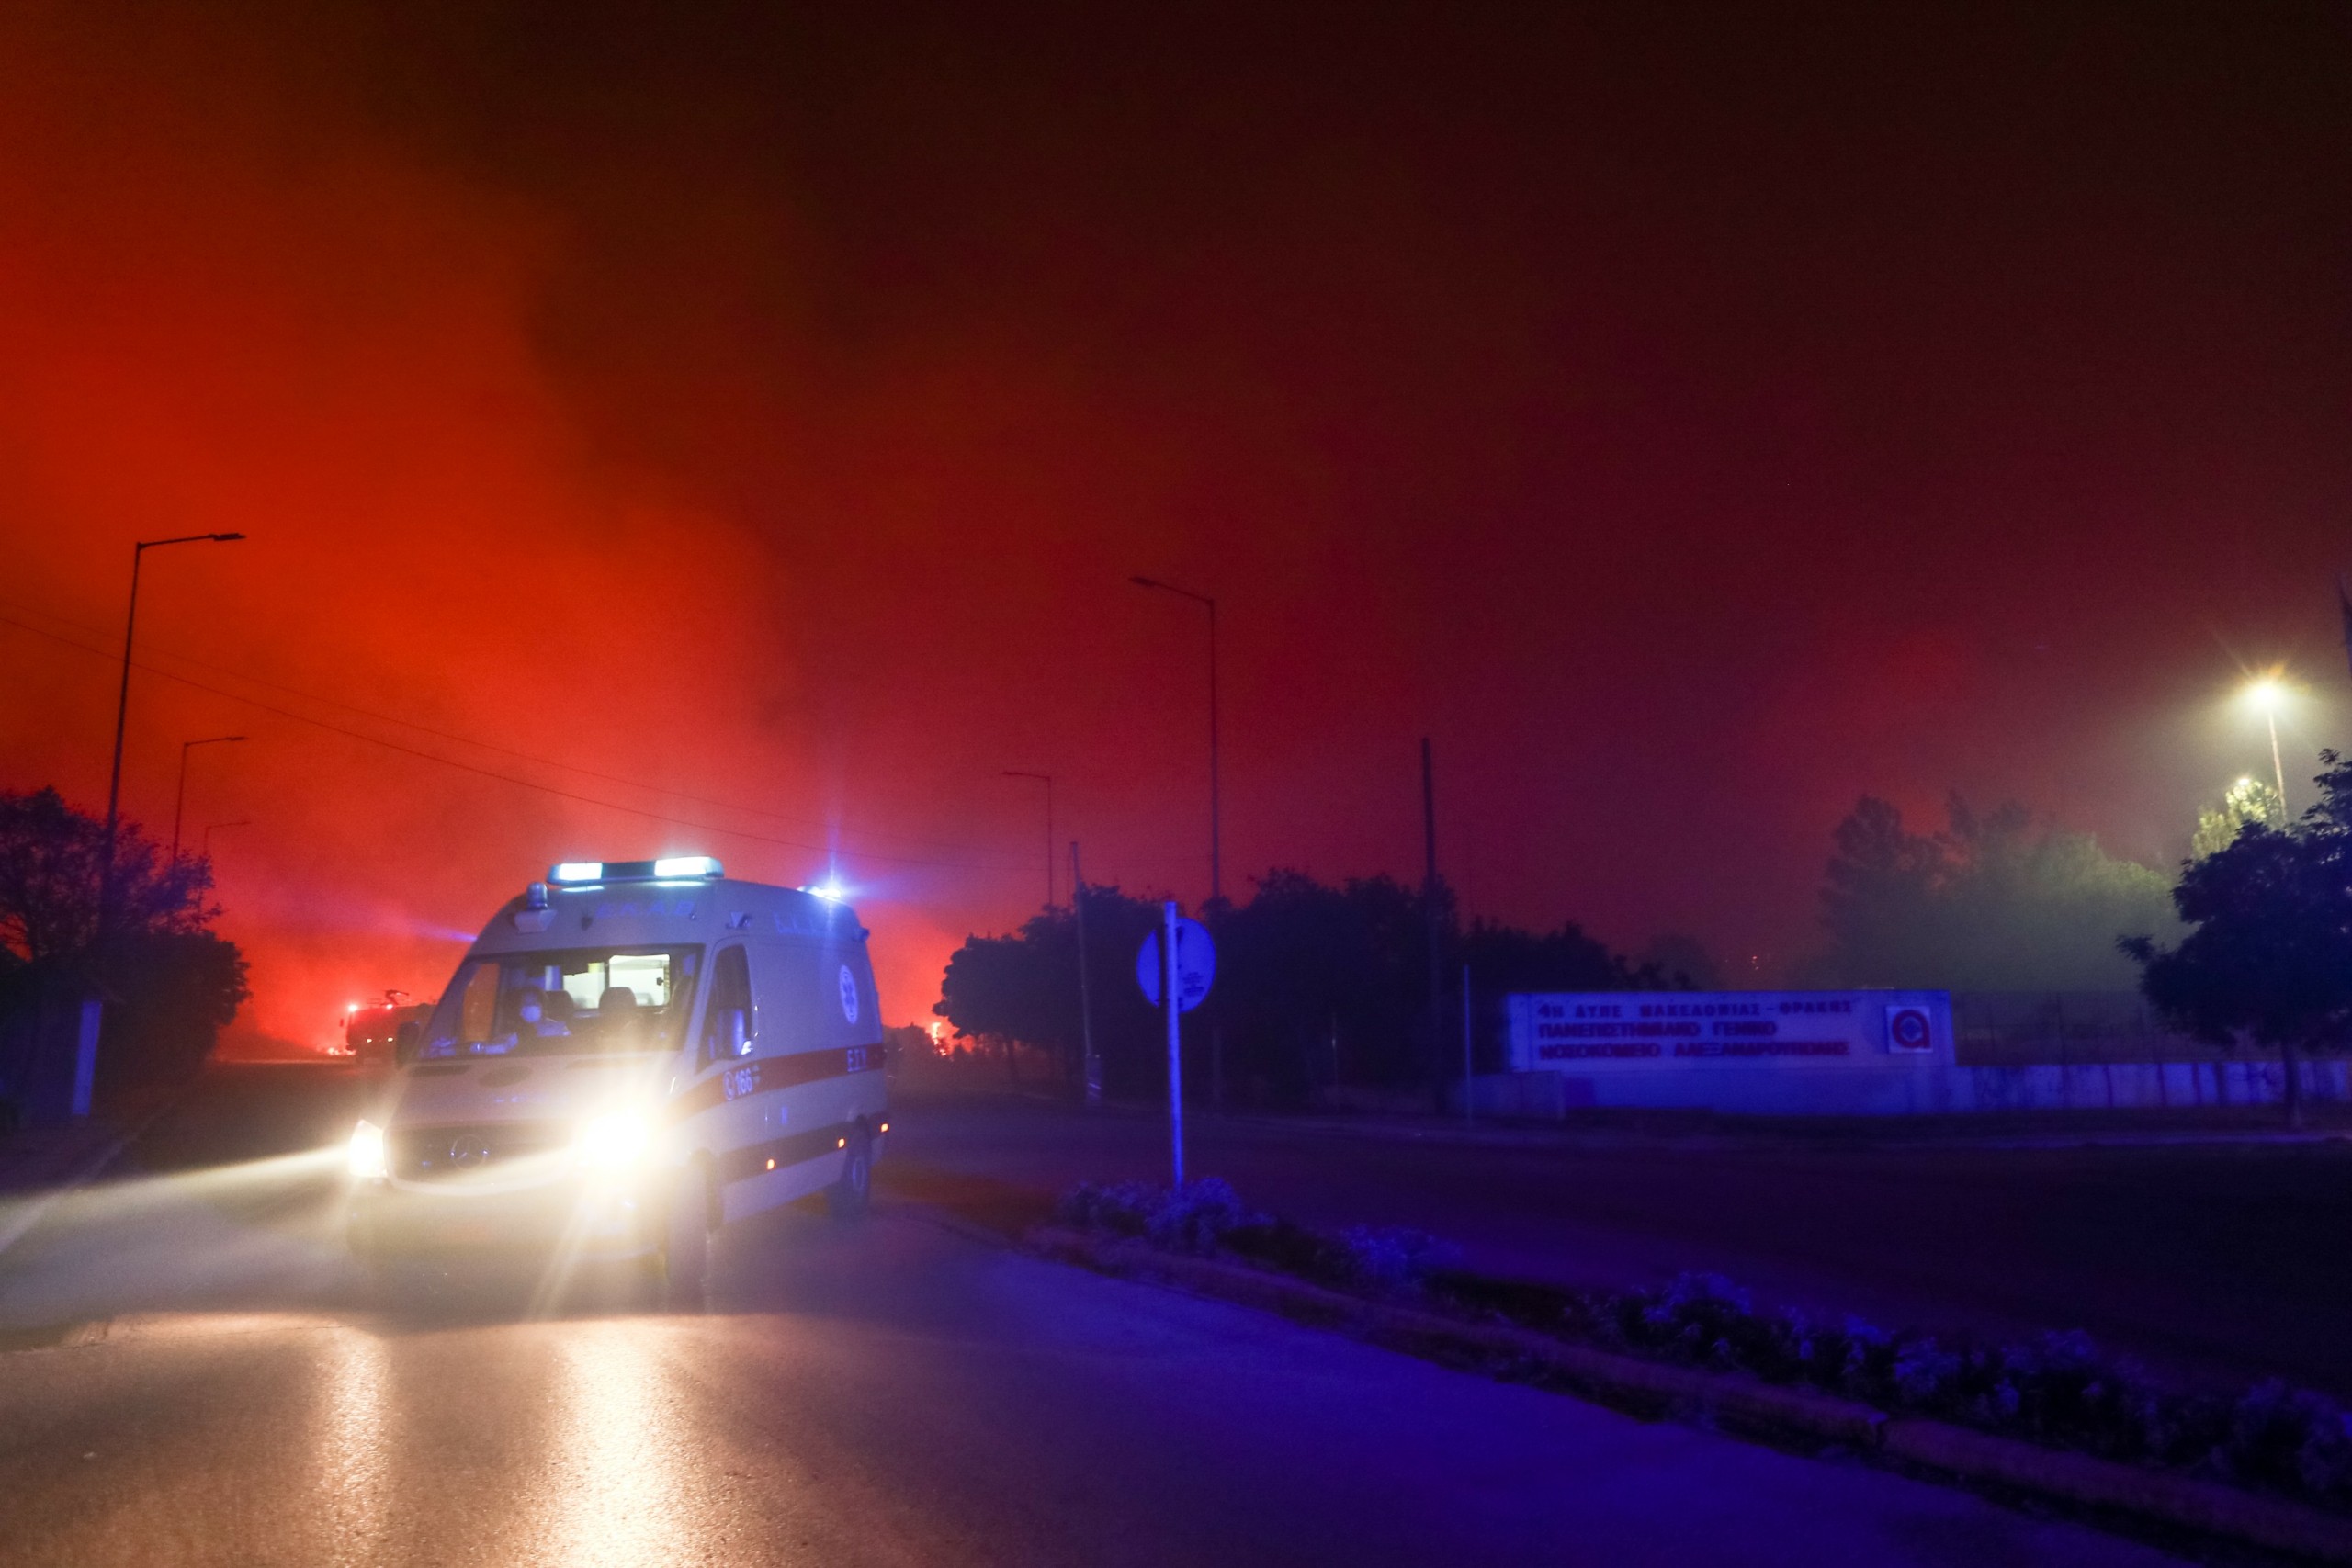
[
  {"x": 122, "y": 711},
  {"x": 209, "y": 827},
  {"x": 1047, "y": 780},
  {"x": 179, "y": 798},
  {"x": 2266, "y": 694},
  {"x": 1216, "y": 878}
]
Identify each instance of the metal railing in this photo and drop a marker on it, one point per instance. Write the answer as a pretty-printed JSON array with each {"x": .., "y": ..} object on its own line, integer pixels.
[{"x": 2065, "y": 1028}]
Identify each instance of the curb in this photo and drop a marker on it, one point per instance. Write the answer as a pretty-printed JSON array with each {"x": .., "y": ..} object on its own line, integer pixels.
[
  {"x": 1857, "y": 1134},
  {"x": 1653, "y": 1389}
]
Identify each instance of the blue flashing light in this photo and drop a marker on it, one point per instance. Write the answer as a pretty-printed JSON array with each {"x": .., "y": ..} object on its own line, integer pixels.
[
  {"x": 577, "y": 870},
  {"x": 688, "y": 866},
  {"x": 830, "y": 890}
]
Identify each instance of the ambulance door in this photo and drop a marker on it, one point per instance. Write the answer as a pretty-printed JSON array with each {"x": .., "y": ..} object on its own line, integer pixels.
[
  {"x": 800, "y": 1066},
  {"x": 725, "y": 1093}
]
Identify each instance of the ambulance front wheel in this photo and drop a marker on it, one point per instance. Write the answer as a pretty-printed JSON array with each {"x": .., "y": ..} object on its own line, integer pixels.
[
  {"x": 685, "y": 1246},
  {"x": 848, "y": 1196}
]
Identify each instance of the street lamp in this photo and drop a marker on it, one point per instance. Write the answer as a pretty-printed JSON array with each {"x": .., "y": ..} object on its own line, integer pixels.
[
  {"x": 2266, "y": 694},
  {"x": 122, "y": 711},
  {"x": 179, "y": 800},
  {"x": 1216, "y": 879},
  {"x": 209, "y": 827},
  {"x": 1047, "y": 780}
]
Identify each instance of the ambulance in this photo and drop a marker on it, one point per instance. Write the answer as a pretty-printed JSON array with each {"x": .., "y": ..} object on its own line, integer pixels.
[{"x": 631, "y": 1054}]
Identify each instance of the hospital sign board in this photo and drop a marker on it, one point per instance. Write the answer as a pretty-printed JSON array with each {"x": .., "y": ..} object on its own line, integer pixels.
[{"x": 1586, "y": 1031}]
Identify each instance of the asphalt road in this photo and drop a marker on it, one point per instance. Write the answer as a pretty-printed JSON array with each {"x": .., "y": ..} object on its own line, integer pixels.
[
  {"x": 194, "y": 1379},
  {"x": 2220, "y": 1262}
]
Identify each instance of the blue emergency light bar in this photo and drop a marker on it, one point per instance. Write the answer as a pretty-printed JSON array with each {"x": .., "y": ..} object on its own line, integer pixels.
[{"x": 673, "y": 868}]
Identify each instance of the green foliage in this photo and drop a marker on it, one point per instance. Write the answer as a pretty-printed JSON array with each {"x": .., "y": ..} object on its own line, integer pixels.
[
  {"x": 51, "y": 856},
  {"x": 2269, "y": 958},
  {"x": 1304, "y": 962},
  {"x": 2056, "y": 1389},
  {"x": 1025, "y": 987},
  {"x": 1301, "y": 966},
  {"x": 2247, "y": 801},
  {"x": 1684, "y": 961},
  {"x": 169, "y": 983},
  {"x": 1208, "y": 1219},
  {"x": 1991, "y": 903},
  {"x": 170, "y": 993}
]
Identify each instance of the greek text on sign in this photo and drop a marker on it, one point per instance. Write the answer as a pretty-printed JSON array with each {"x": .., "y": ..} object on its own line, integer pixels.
[{"x": 1583, "y": 1031}]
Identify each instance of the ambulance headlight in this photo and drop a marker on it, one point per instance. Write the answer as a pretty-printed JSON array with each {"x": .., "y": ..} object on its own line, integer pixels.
[
  {"x": 618, "y": 1140},
  {"x": 367, "y": 1152}
]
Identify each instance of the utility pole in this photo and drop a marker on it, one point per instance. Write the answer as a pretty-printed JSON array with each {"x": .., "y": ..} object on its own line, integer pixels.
[
  {"x": 1093, "y": 1064},
  {"x": 2278, "y": 767},
  {"x": 1428, "y": 898}
]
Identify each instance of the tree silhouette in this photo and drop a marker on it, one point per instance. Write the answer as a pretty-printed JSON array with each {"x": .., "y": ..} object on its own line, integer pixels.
[
  {"x": 51, "y": 857},
  {"x": 169, "y": 983},
  {"x": 1993, "y": 902},
  {"x": 2269, "y": 959},
  {"x": 1315, "y": 983},
  {"x": 2248, "y": 800}
]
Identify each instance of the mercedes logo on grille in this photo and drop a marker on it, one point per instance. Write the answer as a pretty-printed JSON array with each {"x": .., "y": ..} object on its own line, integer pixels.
[{"x": 466, "y": 1151}]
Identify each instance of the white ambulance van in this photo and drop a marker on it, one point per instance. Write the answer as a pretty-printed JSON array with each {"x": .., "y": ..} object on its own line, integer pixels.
[{"x": 631, "y": 1054}]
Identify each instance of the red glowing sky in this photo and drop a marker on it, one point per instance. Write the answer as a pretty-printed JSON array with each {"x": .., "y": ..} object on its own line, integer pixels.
[{"x": 1690, "y": 423}]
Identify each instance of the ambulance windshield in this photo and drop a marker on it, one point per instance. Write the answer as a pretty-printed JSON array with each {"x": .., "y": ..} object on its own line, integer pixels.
[{"x": 549, "y": 1004}]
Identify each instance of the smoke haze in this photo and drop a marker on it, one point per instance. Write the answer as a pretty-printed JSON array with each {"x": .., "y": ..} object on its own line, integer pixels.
[{"x": 735, "y": 431}]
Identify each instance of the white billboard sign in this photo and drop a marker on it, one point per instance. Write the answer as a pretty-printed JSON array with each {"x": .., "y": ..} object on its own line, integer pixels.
[{"x": 1617, "y": 1032}]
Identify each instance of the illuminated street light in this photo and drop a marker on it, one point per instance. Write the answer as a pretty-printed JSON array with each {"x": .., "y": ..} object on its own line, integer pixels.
[{"x": 2267, "y": 694}]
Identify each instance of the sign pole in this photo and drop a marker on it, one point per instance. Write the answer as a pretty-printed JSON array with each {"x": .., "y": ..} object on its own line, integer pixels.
[
  {"x": 1171, "y": 985},
  {"x": 1175, "y": 966}
]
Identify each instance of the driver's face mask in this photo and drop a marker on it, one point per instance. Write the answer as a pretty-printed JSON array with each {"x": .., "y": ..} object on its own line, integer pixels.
[{"x": 530, "y": 1012}]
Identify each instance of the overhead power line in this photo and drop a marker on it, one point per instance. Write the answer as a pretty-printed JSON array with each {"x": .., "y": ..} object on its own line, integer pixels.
[
  {"x": 493, "y": 773},
  {"x": 437, "y": 734}
]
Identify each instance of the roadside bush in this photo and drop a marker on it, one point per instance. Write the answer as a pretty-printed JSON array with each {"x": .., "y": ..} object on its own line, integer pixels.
[
  {"x": 1196, "y": 1218},
  {"x": 2289, "y": 1438},
  {"x": 1208, "y": 1218},
  {"x": 2057, "y": 1389}
]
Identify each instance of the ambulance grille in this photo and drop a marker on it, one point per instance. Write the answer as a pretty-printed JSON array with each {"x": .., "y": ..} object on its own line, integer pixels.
[{"x": 435, "y": 1153}]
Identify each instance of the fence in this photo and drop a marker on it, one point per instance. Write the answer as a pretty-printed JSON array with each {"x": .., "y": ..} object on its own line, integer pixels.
[
  {"x": 1931, "y": 1090},
  {"x": 2064, "y": 1029}
]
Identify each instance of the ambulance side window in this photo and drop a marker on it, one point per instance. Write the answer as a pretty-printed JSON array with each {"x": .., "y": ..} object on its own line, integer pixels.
[{"x": 730, "y": 1024}]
